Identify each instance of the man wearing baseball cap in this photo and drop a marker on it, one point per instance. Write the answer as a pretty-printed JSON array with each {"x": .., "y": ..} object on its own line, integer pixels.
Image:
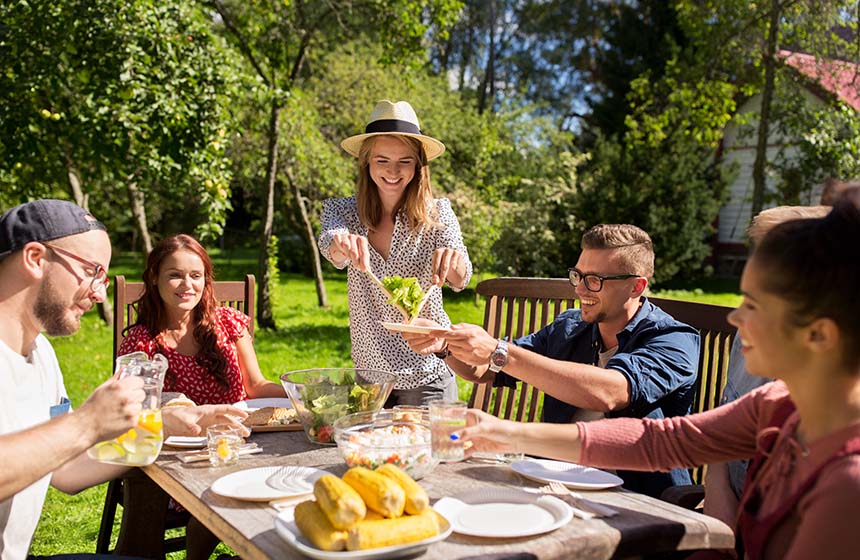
[{"x": 54, "y": 258}]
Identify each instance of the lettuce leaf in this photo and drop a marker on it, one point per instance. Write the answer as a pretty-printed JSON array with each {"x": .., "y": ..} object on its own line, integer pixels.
[{"x": 405, "y": 292}]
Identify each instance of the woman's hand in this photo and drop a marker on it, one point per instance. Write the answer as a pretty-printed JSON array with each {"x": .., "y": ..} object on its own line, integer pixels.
[
  {"x": 193, "y": 420},
  {"x": 448, "y": 264},
  {"x": 424, "y": 343},
  {"x": 484, "y": 433},
  {"x": 352, "y": 248}
]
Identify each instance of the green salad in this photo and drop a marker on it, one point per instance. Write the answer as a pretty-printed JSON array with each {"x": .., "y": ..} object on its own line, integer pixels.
[
  {"x": 405, "y": 292},
  {"x": 327, "y": 400}
]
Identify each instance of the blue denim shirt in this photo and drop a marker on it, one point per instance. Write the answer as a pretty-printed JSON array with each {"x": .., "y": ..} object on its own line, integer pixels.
[{"x": 658, "y": 355}]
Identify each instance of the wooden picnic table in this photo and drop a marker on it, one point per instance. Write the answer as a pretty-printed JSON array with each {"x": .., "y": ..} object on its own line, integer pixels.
[{"x": 644, "y": 525}]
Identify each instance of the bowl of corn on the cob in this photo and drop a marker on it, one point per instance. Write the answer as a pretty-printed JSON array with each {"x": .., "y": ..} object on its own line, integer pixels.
[
  {"x": 320, "y": 396},
  {"x": 387, "y": 437}
]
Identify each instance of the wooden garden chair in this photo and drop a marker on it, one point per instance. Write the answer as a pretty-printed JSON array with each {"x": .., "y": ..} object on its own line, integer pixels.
[{"x": 147, "y": 503}]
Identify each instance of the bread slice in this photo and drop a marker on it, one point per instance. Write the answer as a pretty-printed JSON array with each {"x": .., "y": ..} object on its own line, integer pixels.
[{"x": 271, "y": 416}]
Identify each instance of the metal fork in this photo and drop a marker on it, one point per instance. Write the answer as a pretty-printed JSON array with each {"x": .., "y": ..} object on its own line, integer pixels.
[{"x": 580, "y": 502}]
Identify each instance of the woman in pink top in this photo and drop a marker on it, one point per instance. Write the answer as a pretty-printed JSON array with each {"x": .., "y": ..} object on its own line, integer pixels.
[
  {"x": 209, "y": 350},
  {"x": 800, "y": 323}
]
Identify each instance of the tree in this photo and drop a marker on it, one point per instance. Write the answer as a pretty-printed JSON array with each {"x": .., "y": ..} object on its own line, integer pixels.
[
  {"x": 276, "y": 40},
  {"x": 745, "y": 40}
]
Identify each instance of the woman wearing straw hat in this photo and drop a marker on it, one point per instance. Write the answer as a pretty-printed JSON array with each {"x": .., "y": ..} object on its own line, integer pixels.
[{"x": 394, "y": 227}]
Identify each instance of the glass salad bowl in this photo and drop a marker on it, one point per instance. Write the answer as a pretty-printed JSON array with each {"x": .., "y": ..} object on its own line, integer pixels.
[
  {"x": 399, "y": 437},
  {"x": 321, "y": 396}
]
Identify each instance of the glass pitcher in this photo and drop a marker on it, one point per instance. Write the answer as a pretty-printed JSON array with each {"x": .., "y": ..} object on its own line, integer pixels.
[{"x": 140, "y": 445}]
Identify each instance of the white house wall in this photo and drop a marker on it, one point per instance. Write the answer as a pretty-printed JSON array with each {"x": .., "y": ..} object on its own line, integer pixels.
[{"x": 735, "y": 214}]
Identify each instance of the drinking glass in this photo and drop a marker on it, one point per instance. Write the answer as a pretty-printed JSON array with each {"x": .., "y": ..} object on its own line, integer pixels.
[
  {"x": 223, "y": 442},
  {"x": 446, "y": 417},
  {"x": 140, "y": 445}
]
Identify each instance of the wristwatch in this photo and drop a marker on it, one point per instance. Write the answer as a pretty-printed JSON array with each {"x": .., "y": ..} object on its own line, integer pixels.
[{"x": 499, "y": 357}]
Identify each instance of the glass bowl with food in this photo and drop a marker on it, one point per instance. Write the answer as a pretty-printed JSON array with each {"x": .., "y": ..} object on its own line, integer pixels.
[
  {"x": 321, "y": 396},
  {"x": 398, "y": 437}
]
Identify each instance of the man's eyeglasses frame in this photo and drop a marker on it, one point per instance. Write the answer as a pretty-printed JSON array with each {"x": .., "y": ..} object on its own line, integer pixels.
[
  {"x": 573, "y": 273},
  {"x": 99, "y": 275}
]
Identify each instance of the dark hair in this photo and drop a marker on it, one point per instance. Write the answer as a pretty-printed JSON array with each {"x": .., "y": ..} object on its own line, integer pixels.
[
  {"x": 814, "y": 264},
  {"x": 151, "y": 312}
]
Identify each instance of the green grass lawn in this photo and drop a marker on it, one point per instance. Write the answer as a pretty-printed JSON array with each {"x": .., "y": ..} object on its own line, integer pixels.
[{"x": 307, "y": 336}]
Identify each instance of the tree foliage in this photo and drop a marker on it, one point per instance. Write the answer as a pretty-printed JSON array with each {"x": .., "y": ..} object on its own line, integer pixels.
[{"x": 116, "y": 95}]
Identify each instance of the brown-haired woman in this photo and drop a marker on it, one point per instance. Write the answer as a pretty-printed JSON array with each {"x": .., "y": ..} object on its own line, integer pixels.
[
  {"x": 208, "y": 348},
  {"x": 799, "y": 323},
  {"x": 394, "y": 227}
]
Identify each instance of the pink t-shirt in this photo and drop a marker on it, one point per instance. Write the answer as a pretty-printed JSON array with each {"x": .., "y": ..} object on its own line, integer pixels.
[
  {"x": 823, "y": 523},
  {"x": 185, "y": 375}
]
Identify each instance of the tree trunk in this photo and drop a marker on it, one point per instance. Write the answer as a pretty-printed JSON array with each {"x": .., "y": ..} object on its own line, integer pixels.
[
  {"x": 138, "y": 210},
  {"x": 311, "y": 240},
  {"x": 764, "y": 118},
  {"x": 487, "y": 84},
  {"x": 265, "y": 318},
  {"x": 105, "y": 308}
]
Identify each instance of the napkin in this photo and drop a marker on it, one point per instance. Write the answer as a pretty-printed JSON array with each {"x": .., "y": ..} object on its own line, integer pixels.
[{"x": 203, "y": 454}]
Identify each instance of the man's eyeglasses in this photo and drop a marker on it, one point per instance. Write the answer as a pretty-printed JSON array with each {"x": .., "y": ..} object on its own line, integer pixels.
[
  {"x": 99, "y": 275},
  {"x": 593, "y": 282}
]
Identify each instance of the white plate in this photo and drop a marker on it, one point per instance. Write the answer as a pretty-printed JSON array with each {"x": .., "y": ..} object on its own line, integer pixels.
[
  {"x": 267, "y": 483},
  {"x": 254, "y": 404},
  {"x": 186, "y": 442},
  {"x": 503, "y": 513},
  {"x": 569, "y": 474},
  {"x": 419, "y": 329},
  {"x": 285, "y": 525}
]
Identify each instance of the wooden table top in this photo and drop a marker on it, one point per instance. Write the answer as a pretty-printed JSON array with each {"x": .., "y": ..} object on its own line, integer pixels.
[{"x": 644, "y": 524}]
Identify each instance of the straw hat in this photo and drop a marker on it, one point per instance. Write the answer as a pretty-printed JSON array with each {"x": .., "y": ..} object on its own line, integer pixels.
[{"x": 390, "y": 118}]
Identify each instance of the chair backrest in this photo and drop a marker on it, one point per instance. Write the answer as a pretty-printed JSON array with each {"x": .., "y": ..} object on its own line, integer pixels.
[
  {"x": 518, "y": 306},
  {"x": 238, "y": 295}
]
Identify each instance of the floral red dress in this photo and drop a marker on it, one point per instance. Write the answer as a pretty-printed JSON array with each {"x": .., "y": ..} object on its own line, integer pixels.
[{"x": 184, "y": 374}]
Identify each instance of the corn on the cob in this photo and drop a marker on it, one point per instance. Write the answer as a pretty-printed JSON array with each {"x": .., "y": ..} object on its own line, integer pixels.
[
  {"x": 316, "y": 527},
  {"x": 340, "y": 503},
  {"x": 379, "y": 493},
  {"x": 417, "y": 499},
  {"x": 372, "y": 516},
  {"x": 390, "y": 532}
]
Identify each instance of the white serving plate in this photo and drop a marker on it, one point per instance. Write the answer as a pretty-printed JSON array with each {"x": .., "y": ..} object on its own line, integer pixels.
[
  {"x": 262, "y": 484},
  {"x": 255, "y": 404},
  {"x": 186, "y": 442},
  {"x": 418, "y": 329},
  {"x": 569, "y": 474},
  {"x": 285, "y": 525},
  {"x": 503, "y": 513}
]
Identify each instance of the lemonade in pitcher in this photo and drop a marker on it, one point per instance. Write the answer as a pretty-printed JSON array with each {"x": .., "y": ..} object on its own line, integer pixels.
[{"x": 140, "y": 445}]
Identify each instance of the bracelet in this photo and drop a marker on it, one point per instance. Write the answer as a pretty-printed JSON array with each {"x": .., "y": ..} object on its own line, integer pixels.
[{"x": 443, "y": 353}]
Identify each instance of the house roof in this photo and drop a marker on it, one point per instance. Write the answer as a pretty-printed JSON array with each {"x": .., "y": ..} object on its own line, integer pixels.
[{"x": 839, "y": 77}]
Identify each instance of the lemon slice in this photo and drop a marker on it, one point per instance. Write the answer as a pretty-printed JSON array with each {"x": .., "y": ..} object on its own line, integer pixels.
[{"x": 109, "y": 451}]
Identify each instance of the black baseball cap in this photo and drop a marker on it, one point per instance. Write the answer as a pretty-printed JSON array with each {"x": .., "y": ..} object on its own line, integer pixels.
[{"x": 43, "y": 220}]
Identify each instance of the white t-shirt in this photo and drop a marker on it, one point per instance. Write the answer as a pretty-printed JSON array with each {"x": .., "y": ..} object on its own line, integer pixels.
[{"x": 29, "y": 387}]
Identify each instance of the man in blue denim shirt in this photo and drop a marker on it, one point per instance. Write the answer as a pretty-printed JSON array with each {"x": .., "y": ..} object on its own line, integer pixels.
[{"x": 618, "y": 355}]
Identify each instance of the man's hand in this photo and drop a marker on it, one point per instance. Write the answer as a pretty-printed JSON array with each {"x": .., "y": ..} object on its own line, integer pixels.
[
  {"x": 193, "y": 420},
  {"x": 470, "y": 344},
  {"x": 424, "y": 343},
  {"x": 112, "y": 409},
  {"x": 351, "y": 247},
  {"x": 446, "y": 261}
]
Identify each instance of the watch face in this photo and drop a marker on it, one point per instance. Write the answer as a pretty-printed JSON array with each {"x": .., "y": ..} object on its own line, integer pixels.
[{"x": 499, "y": 359}]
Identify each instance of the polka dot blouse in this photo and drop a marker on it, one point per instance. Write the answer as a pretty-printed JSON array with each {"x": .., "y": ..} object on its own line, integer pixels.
[
  {"x": 411, "y": 255},
  {"x": 184, "y": 374}
]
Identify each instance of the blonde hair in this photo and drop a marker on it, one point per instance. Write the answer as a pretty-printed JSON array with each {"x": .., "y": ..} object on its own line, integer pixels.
[
  {"x": 632, "y": 244},
  {"x": 417, "y": 201},
  {"x": 765, "y": 220}
]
